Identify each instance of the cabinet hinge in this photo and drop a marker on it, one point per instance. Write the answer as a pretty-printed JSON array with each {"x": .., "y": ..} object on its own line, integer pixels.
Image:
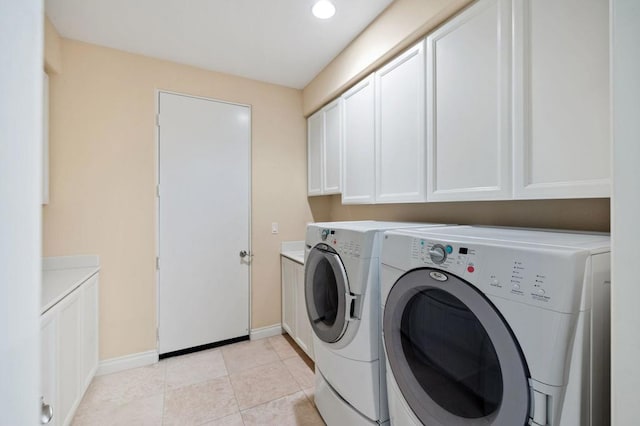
[{"x": 157, "y": 262}]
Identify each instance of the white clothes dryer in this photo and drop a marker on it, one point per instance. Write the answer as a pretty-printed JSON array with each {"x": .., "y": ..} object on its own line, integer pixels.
[
  {"x": 342, "y": 294},
  {"x": 496, "y": 326}
]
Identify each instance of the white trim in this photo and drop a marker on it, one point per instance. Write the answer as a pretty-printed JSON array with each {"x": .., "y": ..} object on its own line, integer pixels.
[
  {"x": 140, "y": 359},
  {"x": 264, "y": 332}
]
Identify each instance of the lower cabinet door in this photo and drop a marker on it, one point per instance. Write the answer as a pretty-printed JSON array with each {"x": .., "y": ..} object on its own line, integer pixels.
[
  {"x": 48, "y": 363},
  {"x": 89, "y": 325},
  {"x": 68, "y": 357},
  {"x": 288, "y": 296},
  {"x": 303, "y": 327}
]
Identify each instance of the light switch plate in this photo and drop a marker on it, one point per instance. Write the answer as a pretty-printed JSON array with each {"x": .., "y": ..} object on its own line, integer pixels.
[{"x": 274, "y": 228}]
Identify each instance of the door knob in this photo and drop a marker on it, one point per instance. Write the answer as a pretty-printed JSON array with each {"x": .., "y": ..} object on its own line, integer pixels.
[
  {"x": 46, "y": 412},
  {"x": 244, "y": 253}
]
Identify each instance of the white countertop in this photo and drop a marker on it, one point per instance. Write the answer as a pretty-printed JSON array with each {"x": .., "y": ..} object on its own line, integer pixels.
[
  {"x": 62, "y": 275},
  {"x": 293, "y": 250}
]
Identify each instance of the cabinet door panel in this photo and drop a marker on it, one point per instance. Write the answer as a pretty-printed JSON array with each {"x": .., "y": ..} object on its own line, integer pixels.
[
  {"x": 468, "y": 105},
  {"x": 359, "y": 144},
  {"x": 49, "y": 362},
  {"x": 315, "y": 129},
  {"x": 303, "y": 328},
  {"x": 69, "y": 356},
  {"x": 562, "y": 104},
  {"x": 89, "y": 327},
  {"x": 332, "y": 155},
  {"x": 288, "y": 296},
  {"x": 400, "y": 142}
]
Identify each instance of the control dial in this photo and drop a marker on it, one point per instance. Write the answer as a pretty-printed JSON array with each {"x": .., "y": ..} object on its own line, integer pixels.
[
  {"x": 438, "y": 254},
  {"x": 324, "y": 234}
]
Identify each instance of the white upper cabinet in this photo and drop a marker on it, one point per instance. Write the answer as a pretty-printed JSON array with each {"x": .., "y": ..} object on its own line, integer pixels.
[
  {"x": 400, "y": 129},
  {"x": 359, "y": 144},
  {"x": 315, "y": 129},
  {"x": 332, "y": 164},
  {"x": 507, "y": 100},
  {"x": 324, "y": 160},
  {"x": 468, "y": 105},
  {"x": 561, "y": 102}
]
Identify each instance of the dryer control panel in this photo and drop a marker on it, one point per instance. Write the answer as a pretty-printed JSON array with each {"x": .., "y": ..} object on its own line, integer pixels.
[{"x": 549, "y": 277}]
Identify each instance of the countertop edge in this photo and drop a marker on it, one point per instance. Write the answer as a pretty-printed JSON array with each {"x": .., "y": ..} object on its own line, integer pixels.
[
  {"x": 295, "y": 256},
  {"x": 83, "y": 275}
]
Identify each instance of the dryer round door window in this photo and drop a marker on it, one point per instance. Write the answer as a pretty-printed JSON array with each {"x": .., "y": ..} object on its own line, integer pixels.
[
  {"x": 325, "y": 290},
  {"x": 451, "y": 353}
]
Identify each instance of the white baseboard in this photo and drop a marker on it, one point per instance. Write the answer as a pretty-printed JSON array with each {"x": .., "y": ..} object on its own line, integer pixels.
[
  {"x": 127, "y": 362},
  {"x": 263, "y": 332}
]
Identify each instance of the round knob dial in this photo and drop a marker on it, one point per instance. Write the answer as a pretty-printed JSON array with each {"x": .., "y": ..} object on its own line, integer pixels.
[
  {"x": 438, "y": 254},
  {"x": 324, "y": 234}
]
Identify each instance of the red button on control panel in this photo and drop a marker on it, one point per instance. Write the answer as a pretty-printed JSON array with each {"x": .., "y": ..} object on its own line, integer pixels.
[{"x": 470, "y": 268}]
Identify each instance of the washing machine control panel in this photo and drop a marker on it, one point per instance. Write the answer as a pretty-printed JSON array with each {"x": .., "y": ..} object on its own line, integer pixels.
[
  {"x": 530, "y": 275},
  {"x": 344, "y": 242}
]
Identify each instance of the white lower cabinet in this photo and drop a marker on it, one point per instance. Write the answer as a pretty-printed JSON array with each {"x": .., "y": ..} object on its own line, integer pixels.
[
  {"x": 69, "y": 350},
  {"x": 89, "y": 335},
  {"x": 294, "y": 310},
  {"x": 288, "y": 296},
  {"x": 49, "y": 362}
]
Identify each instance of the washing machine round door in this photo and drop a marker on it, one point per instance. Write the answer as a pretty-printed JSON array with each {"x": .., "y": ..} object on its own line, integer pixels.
[
  {"x": 453, "y": 357},
  {"x": 325, "y": 288}
]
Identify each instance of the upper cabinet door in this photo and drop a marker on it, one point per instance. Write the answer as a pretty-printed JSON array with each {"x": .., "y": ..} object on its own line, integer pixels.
[
  {"x": 358, "y": 144},
  {"x": 400, "y": 119},
  {"x": 315, "y": 129},
  {"x": 468, "y": 105},
  {"x": 561, "y": 102},
  {"x": 332, "y": 148}
]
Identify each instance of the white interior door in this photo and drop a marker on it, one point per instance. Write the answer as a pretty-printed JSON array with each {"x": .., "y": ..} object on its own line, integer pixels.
[{"x": 204, "y": 203}]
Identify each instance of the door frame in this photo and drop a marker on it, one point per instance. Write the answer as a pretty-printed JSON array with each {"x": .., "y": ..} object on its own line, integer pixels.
[{"x": 157, "y": 200}]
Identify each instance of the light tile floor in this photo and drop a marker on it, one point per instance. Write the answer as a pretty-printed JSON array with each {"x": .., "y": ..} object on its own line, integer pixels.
[{"x": 260, "y": 382}]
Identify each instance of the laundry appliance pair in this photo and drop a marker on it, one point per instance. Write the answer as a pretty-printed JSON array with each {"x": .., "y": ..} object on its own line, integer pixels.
[{"x": 480, "y": 325}]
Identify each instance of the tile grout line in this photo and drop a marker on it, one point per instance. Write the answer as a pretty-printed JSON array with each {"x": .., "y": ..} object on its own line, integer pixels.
[{"x": 235, "y": 396}]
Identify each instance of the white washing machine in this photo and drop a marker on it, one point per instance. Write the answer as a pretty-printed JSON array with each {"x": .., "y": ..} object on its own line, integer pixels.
[
  {"x": 495, "y": 326},
  {"x": 342, "y": 294}
]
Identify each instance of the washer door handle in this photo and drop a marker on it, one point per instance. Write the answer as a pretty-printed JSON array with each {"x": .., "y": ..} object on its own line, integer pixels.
[{"x": 350, "y": 300}]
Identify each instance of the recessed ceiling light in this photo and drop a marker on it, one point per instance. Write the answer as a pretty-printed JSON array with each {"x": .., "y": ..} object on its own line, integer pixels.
[{"x": 323, "y": 9}]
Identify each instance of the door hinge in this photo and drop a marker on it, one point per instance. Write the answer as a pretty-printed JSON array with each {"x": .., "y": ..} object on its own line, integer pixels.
[
  {"x": 158, "y": 190},
  {"x": 158, "y": 120},
  {"x": 157, "y": 334},
  {"x": 157, "y": 262}
]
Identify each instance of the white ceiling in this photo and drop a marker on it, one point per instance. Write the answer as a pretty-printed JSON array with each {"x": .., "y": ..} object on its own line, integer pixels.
[{"x": 276, "y": 41}]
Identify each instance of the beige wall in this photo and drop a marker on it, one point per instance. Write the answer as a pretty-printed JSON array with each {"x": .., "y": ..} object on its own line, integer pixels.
[
  {"x": 401, "y": 24},
  {"x": 578, "y": 214},
  {"x": 103, "y": 161}
]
